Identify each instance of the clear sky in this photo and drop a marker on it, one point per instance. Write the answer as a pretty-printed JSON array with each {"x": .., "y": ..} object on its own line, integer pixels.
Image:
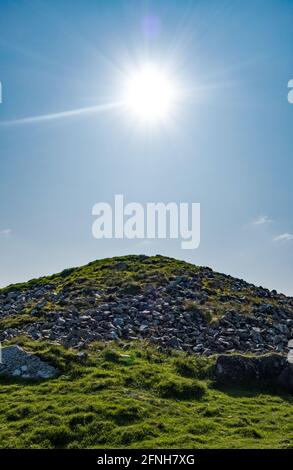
[{"x": 229, "y": 146}]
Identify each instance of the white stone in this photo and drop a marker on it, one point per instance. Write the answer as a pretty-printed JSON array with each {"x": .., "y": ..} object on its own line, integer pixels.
[{"x": 290, "y": 356}]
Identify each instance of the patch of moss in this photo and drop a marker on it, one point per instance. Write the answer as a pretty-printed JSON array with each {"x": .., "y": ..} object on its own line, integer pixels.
[{"x": 183, "y": 389}]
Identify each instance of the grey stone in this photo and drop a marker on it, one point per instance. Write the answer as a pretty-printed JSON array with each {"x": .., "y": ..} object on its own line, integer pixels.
[{"x": 16, "y": 362}]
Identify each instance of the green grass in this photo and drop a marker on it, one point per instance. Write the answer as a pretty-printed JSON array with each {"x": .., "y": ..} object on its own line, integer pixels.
[
  {"x": 134, "y": 396},
  {"x": 14, "y": 321}
]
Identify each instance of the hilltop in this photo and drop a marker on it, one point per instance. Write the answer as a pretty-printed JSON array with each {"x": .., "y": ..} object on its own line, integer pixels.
[{"x": 169, "y": 303}]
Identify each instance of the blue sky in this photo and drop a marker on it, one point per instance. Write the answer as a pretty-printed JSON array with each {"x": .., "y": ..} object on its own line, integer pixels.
[{"x": 229, "y": 147}]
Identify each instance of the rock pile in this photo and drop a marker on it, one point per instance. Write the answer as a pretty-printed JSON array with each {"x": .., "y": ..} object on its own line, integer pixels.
[
  {"x": 199, "y": 311},
  {"x": 16, "y": 362}
]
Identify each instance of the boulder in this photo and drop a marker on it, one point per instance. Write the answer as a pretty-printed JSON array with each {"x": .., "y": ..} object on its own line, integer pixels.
[
  {"x": 242, "y": 369},
  {"x": 16, "y": 362}
]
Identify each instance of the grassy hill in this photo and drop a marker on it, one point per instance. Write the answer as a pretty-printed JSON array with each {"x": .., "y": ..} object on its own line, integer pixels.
[
  {"x": 135, "y": 340},
  {"x": 171, "y": 303},
  {"x": 134, "y": 396}
]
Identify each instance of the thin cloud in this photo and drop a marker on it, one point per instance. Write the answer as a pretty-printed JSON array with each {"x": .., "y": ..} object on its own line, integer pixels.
[
  {"x": 284, "y": 237},
  {"x": 6, "y": 232},
  {"x": 261, "y": 220},
  {"x": 62, "y": 115}
]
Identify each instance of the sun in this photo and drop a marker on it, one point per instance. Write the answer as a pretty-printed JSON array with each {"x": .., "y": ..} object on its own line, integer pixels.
[{"x": 149, "y": 94}]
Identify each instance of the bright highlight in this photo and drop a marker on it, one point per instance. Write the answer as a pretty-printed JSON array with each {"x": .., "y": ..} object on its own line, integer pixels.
[{"x": 149, "y": 94}]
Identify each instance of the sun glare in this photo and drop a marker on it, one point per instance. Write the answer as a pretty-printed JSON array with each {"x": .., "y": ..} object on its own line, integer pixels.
[{"x": 150, "y": 94}]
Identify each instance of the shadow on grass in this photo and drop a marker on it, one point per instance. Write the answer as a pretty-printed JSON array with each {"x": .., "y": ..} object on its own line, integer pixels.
[
  {"x": 9, "y": 380},
  {"x": 252, "y": 390}
]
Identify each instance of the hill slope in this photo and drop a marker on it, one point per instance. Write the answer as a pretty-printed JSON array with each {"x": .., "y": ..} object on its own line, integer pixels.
[
  {"x": 130, "y": 395},
  {"x": 141, "y": 390},
  {"x": 168, "y": 302}
]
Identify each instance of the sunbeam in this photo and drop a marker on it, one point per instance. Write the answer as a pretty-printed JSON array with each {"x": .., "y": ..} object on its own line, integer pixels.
[{"x": 61, "y": 115}]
